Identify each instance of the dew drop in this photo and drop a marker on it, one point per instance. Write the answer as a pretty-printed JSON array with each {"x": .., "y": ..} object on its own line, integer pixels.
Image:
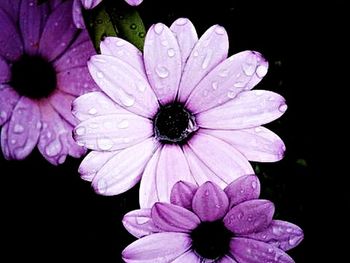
[
  {"x": 133, "y": 26},
  {"x": 283, "y": 108},
  {"x": 205, "y": 93},
  {"x": 13, "y": 141},
  {"x": 258, "y": 129},
  {"x": 39, "y": 125},
  {"x": 142, "y": 220},
  {"x": 259, "y": 92},
  {"x": 248, "y": 69},
  {"x": 92, "y": 111},
  {"x": 127, "y": 100},
  {"x": 261, "y": 71},
  {"x": 80, "y": 130},
  {"x": 162, "y": 72},
  {"x": 120, "y": 43},
  {"x": 214, "y": 85},
  {"x": 207, "y": 59},
  {"x": 164, "y": 43},
  {"x": 181, "y": 22},
  {"x": 104, "y": 144},
  {"x": 254, "y": 184},
  {"x": 195, "y": 53},
  {"x": 271, "y": 99},
  {"x": 61, "y": 159},
  {"x": 293, "y": 240},
  {"x": 240, "y": 215},
  {"x": 223, "y": 73},
  {"x": 53, "y": 148},
  {"x": 142, "y": 34},
  {"x": 289, "y": 230},
  {"x": 3, "y": 115},
  {"x": 18, "y": 128},
  {"x": 219, "y": 30},
  {"x": 158, "y": 28},
  {"x": 206, "y": 193},
  {"x": 171, "y": 52},
  {"x": 100, "y": 75},
  {"x": 231, "y": 94},
  {"x": 123, "y": 124}
]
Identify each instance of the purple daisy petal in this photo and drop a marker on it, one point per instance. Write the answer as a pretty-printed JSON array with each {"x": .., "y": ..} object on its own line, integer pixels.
[
  {"x": 159, "y": 247},
  {"x": 11, "y": 7},
  {"x": 89, "y": 4},
  {"x": 243, "y": 189},
  {"x": 210, "y": 50},
  {"x": 139, "y": 223},
  {"x": 256, "y": 144},
  {"x": 134, "y": 2},
  {"x": 172, "y": 167},
  {"x": 220, "y": 157},
  {"x": 78, "y": 15},
  {"x": 32, "y": 19},
  {"x": 24, "y": 129},
  {"x": 182, "y": 194},
  {"x": 250, "y": 216},
  {"x": 227, "y": 259},
  {"x": 124, "y": 84},
  {"x": 281, "y": 234},
  {"x": 113, "y": 132},
  {"x": 8, "y": 100},
  {"x": 73, "y": 149},
  {"x": 4, "y": 141},
  {"x": 55, "y": 3},
  {"x": 62, "y": 102},
  {"x": 252, "y": 251},
  {"x": 210, "y": 203},
  {"x": 5, "y": 72},
  {"x": 60, "y": 24},
  {"x": 186, "y": 36},
  {"x": 10, "y": 41},
  {"x": 125, "y": 51},
  {"x": 239, "y": 72},
  {"x": 162, "y": 59},
  {"x": 173, "y": 218},
  {"x": 188, "y": 257},
  {"x": 148, "y": 194},
  {"x": 93, "y": 162},
  {"x": 124, "y": 170},
  {"x": 249, "y": 109},
  {"x": 200, "y": 171}
]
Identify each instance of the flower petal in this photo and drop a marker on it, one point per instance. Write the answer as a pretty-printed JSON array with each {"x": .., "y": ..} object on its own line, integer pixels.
[
  {"x": 5, "y": 71},
  {"x": 60, "y": 24},
  {"x": 249, "y": 109},
  {"x": 124, "y": 170},
  {"x": 227, "y": 259},
  {"x": 24, "y": 128},
  {"x": 125, "y": 51},
  {"x": 210, "y": 50},
  {"x": 210, "y": 203},
  {"x": 8, "y": 100},
  {"x": 256, "y": 144},
  {"x": 200, "y": 171},
  {"x": 188, "y": 257},
  {"x": 182, "y": 194},
  {"x": 250, "y": 216},
  {"x": 220, "y": 157},
  {"x": 172, "y": 167},
  {"x": 32, "y": 19},
  {"x": 162, "y": 59},
  {"x": 252, "y": 251},
  {"x": 239, "y": 72},
  {"x": 11, "y": 7},
  {"x": 134, "y": 2},
  {"x": 62, "y": 102},
  {"x": 5, "y": 142},
  {"x": 243, "y": 189},
  {"x": 78, "y": 15},
  {"x": 186, "y": 36},
  {"x": 148, "y": 194},
  {"x": 93, "y": 162},
  {"x": 173, "y": 218},
  {"x": 10, "y": 41},
  {"x": 113, "y": 132},
  {"x": 89, "y": 4},
  {"x": 281, "y": 234},
  {"x": 159, "y": 247},
  {"x": 124, "y": 84},
  {"x": 139, "y": 223}
]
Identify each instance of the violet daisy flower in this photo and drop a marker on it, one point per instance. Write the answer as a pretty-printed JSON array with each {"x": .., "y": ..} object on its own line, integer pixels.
[
  {"x": 207, "y": 224},
  {"x": 182, "y": 111},
  {"x": 89, "y": 4},
  {"x": 42, "y": 70}
]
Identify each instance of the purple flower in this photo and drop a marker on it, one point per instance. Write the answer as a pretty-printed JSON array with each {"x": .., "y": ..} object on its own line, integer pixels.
[
  {"x": 89, "y": 4},
  {"x": 182, "y": 111},
  {"x": 42, "y": 70},
  {"x": 207, "y": 224}
]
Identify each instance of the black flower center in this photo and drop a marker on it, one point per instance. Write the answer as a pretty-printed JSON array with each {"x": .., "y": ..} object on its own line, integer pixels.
[
  {"x": 174, "y": 124},
  {"x": 33, "y": 77},
  {"x": 211, "y": 240}
]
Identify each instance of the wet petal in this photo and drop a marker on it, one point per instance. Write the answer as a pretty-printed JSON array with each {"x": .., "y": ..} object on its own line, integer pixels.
[
  {"x": 62, "y": 102},
  {"x": 210, "y": 50},
  {"x": 172, "y": 167},
  {"x": 210, "y": 203},
  {"x": 139, "y": 223},
  {"x": 124, "y": 170},
  {"x": 113, "y": 132},
  {"x": 220, "y": 157},
  {"x": 134, "y": 2},
  {"x": 5, "y": 142},
  {"x": 89, "y": 4},
  {"x": 60, "y": 24},
  {"x": 250, "y": 216},
  {"x": 252, "y": 251},
  {"x": 186, "y": 36},
  {"x": 182, "y": 194},
  {"x": 123, "y": 84},
  {"x": 243, "y": 189},
  {"x": 239, "y": 72},
  {"x": 256, "y": 144},
  {"x": 249, "y": 109},
  {"x": 227, "y": 259},
  {"x": 78, "y": 15},
  {"x": 8, "y": 100},
  {"x": 11, "y": 7},
  {"x": 281, "y": 234},
  {"x": 5, "y": 71},
  {"x": 159, "y": 247},
  {"x": 24, "y": 128},
  {"x": 173, "y": 218},
  {"x": 162, "y": 62},
  {"x": 188, "y": 257}
]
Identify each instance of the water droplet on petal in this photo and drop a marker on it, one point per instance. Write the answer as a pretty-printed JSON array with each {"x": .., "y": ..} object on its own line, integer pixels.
[
  {"x": 100, "y": 75},
  {"x": 181, "y": 21},
  {"x": 207, "y": 59},
  {"x": 127, "y": 100},
  {"x": 92, "y": 111},
  {"x": 218, "y": 206},
  {"x": 164, "y": 43},
  {"x": 123, "y": 124},
  {"x": 220, "y": 30},
  {"x": 171, "y": 52},
  {"x": 205, "y": 93},
  {"x": 142, "y": 220},
  {"x": 104, "y": 144},
  {"x": 289, "y": 230},
  {"x": 248, "y": 69},
  {"x": 254, "y": 184},
  {"x": 258, "y": 129},
  {"x": 261, "y": 71},
  {"x": 80, "y": 130},
  {"x": 195, "y": 53},
  {"x": 231, "y": 94},
  {"x": 39, "y": 125},
  {"x": 259, "y": 92},
  {"x": 18, "y": 128},
  {"x": 13, "y": 141},
  {"x": 162, "y": 72},
  {"x": 293, "y": 240},
  {"x": 61, "y": 159},
  {"x": 223, "y": 73},
  {"x": 158, "y": 28},
  {"x": 3, "y": 115},
  {"x": 53, "y": 148},
  {"x": 240, "y": 215},
  {"x": 283, "y": 108},
  {"x": 206, "y": 193}
]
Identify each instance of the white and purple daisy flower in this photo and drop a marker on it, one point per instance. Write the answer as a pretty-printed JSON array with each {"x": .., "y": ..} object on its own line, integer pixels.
[
  {"x": 207, "y": 224},
  {"x": 89, "y": 4},
  {"x": 42, "y": 70},
  {"x": 180, "y": 111}
]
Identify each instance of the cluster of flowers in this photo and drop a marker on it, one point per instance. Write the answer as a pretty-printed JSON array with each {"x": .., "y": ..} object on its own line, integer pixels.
[{"x": 181, "y": 117}]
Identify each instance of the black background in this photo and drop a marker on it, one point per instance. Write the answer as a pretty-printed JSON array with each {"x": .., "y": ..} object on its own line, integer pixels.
[{"x": 48, "y": 213}]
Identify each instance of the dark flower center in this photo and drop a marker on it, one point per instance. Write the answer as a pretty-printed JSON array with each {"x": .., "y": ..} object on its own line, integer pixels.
[
  {"x": 174, "y": 124},
  {"x": 211, "y": 240},
  {"x": 33, "y": 77}
]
